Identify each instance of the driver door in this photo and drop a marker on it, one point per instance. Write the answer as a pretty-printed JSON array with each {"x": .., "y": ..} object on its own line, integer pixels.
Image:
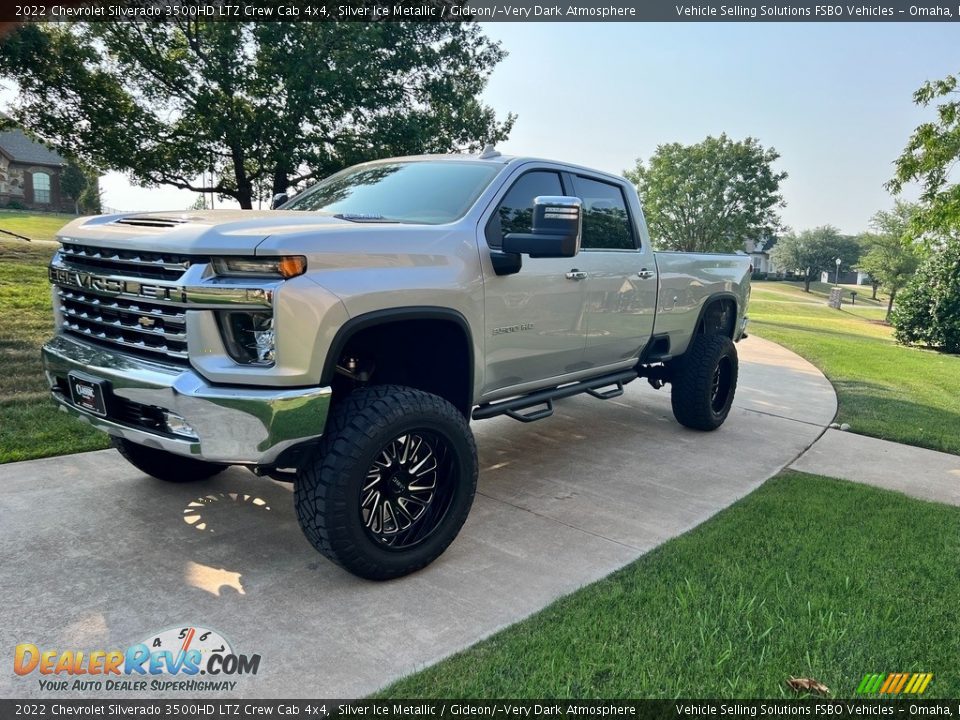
[{"x": 534, "y": 319}]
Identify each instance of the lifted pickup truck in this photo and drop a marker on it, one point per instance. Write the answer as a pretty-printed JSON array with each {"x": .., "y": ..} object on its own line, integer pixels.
[{"x": 344, "y": 341}]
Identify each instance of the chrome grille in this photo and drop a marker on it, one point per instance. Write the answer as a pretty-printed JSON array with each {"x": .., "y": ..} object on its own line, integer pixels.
[
  {"x": 158, "y": 266},
  {"x": 137, "y": 325},
  {"x": 143, "y": 326}
]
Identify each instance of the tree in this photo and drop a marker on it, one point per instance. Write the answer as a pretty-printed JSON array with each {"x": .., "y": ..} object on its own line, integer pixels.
[
  {"x": 892, "y": 252},
  {"x": 928, "y": 312},
  {"x": 812, "y": 251},
  {"x": 73, "y": 181},
  {"x": 91, "y": 199},
  {"x": 711, "y": 196},
  {"x": 931, "y": 156},
  {"x": 266, "y": 106}
]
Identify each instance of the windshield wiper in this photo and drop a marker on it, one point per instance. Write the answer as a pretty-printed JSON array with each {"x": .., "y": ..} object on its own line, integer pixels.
[{"x": 364, "y": 217}]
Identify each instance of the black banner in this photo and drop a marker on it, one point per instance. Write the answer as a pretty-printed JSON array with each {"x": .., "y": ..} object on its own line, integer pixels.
[
  {"x": 454, "y": 709},
  {"x": 480, "y": 10}
]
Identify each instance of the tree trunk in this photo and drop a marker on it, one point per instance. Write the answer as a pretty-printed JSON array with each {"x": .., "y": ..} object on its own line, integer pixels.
[
  {"x": 876, "y": 285},
  {"x": 244, "y": 192},
  {"x": 281, "y": 180},
  {"x": 893, "y": 294},
  {"x": 245, "y": 197},
  {"x": 806, "y": 282}
]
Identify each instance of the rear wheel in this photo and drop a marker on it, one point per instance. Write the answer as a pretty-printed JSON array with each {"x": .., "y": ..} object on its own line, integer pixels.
[
  {"x": 704, "y": 382},
  {"x": 391, "y": 484},
  {"x": 164, "y": 465}
]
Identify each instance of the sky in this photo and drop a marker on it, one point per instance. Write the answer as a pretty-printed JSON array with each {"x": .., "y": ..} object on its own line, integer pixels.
[{"x": 834, "y": 99}]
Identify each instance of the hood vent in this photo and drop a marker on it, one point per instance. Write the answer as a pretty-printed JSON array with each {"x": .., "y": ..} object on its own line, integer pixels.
[{"x": 148, "y": 221}]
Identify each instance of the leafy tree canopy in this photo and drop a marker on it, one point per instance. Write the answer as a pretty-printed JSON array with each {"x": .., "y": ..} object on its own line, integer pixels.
[
  {"x": 73, "y": 181},
  {"x": 813, "y": 251},
  {"x": 928, "y": 311},
  {"x": 267, "y": 105},
  {"x": 892, "y": 252},
  {"x": 931, "y": 158},
  {"x": 711, "y": 196}
]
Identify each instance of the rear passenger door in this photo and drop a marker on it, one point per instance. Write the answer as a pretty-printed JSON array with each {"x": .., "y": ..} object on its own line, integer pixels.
[
  {"x": 621, "y": 278},
  {"x": 534, "y": 320}
]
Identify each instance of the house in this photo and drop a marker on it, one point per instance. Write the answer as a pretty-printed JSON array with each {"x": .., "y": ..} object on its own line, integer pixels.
[
  {"x": 847, "y": 277},
  {"x": 30, "y": 174},
  {"x": 759, "y": 252}
]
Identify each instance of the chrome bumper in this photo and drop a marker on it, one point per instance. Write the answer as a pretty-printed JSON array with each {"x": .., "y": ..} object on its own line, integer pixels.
[{"x": 236, "y": 425}]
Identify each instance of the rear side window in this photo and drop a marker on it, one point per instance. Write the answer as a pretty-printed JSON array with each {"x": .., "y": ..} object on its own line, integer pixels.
[
  {"x": 515, "y": 211},
  {"x": 606, "y": 222}
]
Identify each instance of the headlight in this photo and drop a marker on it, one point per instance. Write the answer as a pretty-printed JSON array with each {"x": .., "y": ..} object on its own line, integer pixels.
[
  {"x": 248, "y": 336},
  {"x": 287, "y": 266}
]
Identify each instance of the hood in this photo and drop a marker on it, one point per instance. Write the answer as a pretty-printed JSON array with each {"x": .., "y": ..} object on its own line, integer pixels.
[{"x": 195, "y": 232}]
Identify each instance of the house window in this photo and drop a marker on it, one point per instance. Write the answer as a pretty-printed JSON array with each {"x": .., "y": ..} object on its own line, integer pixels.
[{"x": 41, "y": 188}]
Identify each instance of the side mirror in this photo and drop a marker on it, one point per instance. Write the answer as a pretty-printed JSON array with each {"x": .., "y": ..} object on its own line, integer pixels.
[
  {"x": 278, "y": 200},
  {"x": 557, "y": 227}
]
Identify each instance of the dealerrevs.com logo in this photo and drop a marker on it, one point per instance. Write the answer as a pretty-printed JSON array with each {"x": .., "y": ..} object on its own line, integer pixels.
[{"x": 188, "y": 659}]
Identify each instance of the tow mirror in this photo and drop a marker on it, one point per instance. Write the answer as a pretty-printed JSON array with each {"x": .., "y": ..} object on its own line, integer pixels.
[
  {"x": 278, "y": 200},
  {"x": 557, "y": 227}
]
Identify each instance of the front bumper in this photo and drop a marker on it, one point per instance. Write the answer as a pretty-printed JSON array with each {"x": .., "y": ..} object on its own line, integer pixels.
[{"x": 235, "y": 425}]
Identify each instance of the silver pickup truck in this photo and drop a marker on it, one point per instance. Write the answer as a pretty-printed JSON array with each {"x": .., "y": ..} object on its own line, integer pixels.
[{"x": 345, "y": 340}]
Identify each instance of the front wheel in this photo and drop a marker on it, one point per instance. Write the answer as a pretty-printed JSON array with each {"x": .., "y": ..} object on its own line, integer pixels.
[
  {"x": 704, "y": 382},
  {"x": 164, "y": 465},
  {"x": 391, "y": 483}
]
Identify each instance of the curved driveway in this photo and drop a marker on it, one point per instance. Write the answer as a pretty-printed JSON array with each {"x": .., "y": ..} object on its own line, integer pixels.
[{"x": 95, "y": 556}]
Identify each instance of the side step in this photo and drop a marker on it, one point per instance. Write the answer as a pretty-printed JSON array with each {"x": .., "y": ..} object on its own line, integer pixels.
[{"x": 514, "y": 406}]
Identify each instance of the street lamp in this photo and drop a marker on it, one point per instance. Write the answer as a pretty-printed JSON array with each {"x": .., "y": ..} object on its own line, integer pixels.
[{"x": 837, "y": 283}]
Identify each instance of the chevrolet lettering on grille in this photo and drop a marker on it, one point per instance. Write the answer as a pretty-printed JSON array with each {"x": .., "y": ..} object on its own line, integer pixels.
[{"x": 114, "y": 286}]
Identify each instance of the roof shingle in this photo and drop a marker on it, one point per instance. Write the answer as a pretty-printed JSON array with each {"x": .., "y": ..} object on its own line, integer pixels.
[{"x": 24, "y": 150}]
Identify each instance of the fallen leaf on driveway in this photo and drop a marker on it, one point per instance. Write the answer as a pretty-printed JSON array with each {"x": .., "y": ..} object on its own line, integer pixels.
[{"x": 808, "y": 685}]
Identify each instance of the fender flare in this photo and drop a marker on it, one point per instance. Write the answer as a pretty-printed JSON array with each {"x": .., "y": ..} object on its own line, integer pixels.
[
  {"x": 710, "y": 300},
  {"x": 390, "y": 316}
]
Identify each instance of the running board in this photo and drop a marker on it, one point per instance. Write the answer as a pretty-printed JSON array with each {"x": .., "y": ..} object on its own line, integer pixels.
[{"x": 513, "y": 408}]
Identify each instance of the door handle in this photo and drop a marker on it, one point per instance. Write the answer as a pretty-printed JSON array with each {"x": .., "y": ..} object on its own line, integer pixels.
[
  {"x": 576, "y": 275},
  {"x": 644, "y": 273}
]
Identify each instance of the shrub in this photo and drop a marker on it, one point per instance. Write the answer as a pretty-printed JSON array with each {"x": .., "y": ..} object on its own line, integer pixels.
[
  {"x": 928, "y": 309},
  {"x": 16, "y": 205}
]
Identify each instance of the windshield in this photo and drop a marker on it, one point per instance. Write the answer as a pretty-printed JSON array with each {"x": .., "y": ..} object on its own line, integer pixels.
[{"x": 429, "y": 192}]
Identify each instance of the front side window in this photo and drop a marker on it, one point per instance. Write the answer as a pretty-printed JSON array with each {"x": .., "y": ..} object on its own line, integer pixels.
[
  {"x": 514, "y": 214},
  {"x": 41, "y": 188},
  {"x": 428, "y": 192},
  {"x": 606, "y": 222}
]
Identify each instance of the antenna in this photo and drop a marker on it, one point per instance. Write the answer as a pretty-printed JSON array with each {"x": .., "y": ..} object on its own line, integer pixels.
[{"x": 489, "y": 151}]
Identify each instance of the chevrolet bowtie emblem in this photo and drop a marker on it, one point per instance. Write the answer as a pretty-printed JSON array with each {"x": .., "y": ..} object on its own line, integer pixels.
[{"x": 147, "y": 322}]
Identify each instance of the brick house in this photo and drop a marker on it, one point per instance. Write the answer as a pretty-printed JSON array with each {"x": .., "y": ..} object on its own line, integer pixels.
[{"x": 30, "y": 174}]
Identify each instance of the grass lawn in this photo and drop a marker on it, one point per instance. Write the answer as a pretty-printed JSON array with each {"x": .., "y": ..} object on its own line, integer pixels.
[
  {"x": 885, "y": 390},
  {"x": 34, "y": 225},
  {"x": 807, "y": 576},
  {"x": 30, "y": 424}
]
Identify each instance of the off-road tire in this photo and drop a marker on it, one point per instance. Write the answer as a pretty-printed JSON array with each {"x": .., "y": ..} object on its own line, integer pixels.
[
  {"x": 164, "y": 465},
  {"x": 697, "y": 401},
  {"x": 330, "y": 486}
]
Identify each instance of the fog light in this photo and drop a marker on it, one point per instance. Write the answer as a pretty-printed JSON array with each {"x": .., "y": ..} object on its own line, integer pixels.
[
  {"x": 248, "y": 336},
  {"x": 178, "y": 426}
]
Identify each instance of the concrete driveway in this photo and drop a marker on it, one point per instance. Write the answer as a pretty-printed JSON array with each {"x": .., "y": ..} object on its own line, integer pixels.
[{"x": 97, "y": 556}]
